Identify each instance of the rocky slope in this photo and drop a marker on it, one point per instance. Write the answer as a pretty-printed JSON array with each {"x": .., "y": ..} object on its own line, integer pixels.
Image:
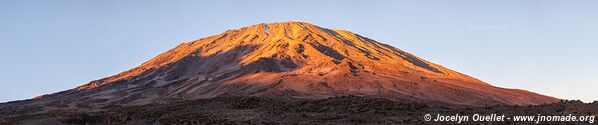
[{"x": 288, "y": 59}]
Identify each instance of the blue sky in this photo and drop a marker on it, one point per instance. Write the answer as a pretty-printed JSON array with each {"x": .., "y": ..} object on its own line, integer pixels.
[{"x": 549, "y": 47}]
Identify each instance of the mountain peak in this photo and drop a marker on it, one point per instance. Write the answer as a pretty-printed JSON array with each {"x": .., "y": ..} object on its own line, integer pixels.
[
  {"x": 288, "y": 24},
  {"x": 291, "y": 59}
]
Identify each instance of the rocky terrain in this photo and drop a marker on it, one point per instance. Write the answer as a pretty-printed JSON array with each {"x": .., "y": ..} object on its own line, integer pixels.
[{"x": 262, "y": 110}]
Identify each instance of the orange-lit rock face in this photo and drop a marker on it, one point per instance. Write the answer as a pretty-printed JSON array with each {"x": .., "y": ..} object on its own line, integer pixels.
[{"x": 292, "y": 59}]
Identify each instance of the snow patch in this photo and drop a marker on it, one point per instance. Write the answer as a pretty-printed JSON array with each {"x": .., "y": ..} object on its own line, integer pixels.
[
  {"x": 160, "y": 82},
  {"x": 267, "y": 29}
]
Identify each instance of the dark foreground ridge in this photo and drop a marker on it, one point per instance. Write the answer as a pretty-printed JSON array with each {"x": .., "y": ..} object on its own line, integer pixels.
[{"x": 262, "y": 110}]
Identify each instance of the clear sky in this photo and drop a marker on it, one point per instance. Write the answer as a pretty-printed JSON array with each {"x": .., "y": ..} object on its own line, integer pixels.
[{"x": 549, "y": 47}]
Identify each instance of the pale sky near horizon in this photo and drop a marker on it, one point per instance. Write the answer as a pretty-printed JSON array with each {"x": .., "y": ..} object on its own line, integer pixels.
[{"x": 544, "y": 46}]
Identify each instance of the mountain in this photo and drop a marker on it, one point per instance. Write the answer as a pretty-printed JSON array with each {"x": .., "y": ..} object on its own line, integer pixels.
[{"x": 287, "y": 59}]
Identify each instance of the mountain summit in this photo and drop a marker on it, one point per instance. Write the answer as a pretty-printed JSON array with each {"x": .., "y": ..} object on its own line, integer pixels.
[{"x": 288, "y": 59}]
